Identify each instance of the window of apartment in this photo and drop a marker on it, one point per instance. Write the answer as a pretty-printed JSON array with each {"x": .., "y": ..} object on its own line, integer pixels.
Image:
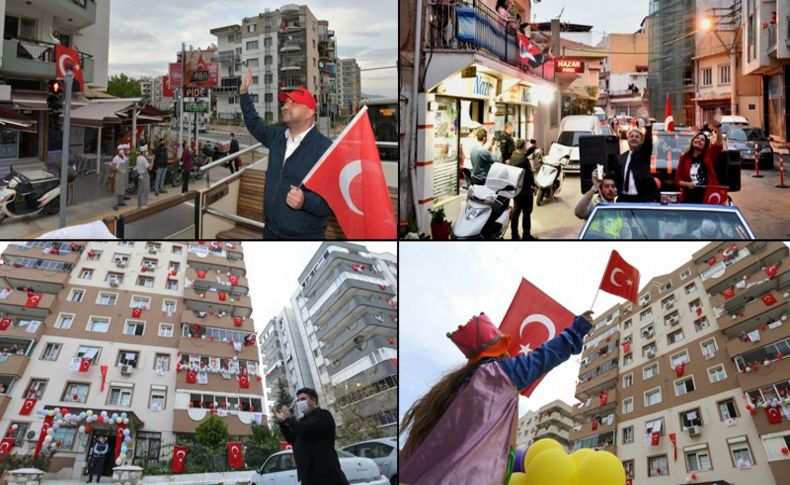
[
  {"x": 150, "y": 264},
  {"x": 727, "y": 409},
  {"x": 675, "y": 336},
  {"x": 98, "y": 324},
  {"x": 648, "y": 331},
  {"x": 629, "y": 468},
  {"x": 173, "y": 266},
  {"x": 134, "y": 328},
  {"x": 165, "y": 329},
  {"x": 684, "y": 386},
  {"x": 628, "y": 434},
  {"x": 740, "y": 453},
  {"x": 64, "y": 320},
  {"x": 169, "y": 307},
  {"x": 75, "y": 296},
  {"x": 679, "y": 358},
  {"x": 691, "y": 288},
  {"x": 120, "y": 396},
  {"x": 86, "y": 274},
  {"x": 646, "y": 314},
  {"x": 709, "y": 348},
  {"x": 628, "y": 381},
  {"x": 162, "y": 362},
  {"x": 685, "y": 274},
  {"x": 653, "y": 397},
  {"x": 128, "y": 244},
  {"x": 654, "y": 426},
  {"x": 107, "y": 299},
  {"x": 628, "y": 405},
  {"x": 94, "y": 255},
  {"x": 89, "y": 352},
  {"x": 650, "y": 371},
  {"x": 724, "y": 74},
  {"x": 694, "y": 305},
  {"x": 19, "y": 27},
  {"x": 127, "y": 357},
  {"x": 19, "y": 433},
  {"x": 657, "y": 466},
  {"x": 717, "y": 374},
  {"x": 666, "y": 287},
  {"x": 35, "y": 389},
  {"x": 75, "y": 392},
  {"x": 701, "y": 324},
  {"x": 252, "y": 62},
  {"x": 707, "y": 76},
  {"x": 143, "y": 302},
  {"x": 698, "y": 460},
  {"x": 628, "y": 359},
  {"x": 690, "y": 418},
  {"x": 171, "y": 284},
  {"x": 177, "y": 249},
  {"x": 158, "y": 398},
  {"x": 668, "y": 302},
  {"x": 145, "y": 281},
  {"x": 649, "y": 350},
  {"x": 51, "y": 351},
  {"x": 627, "y": 325},
  {"x": 66, "y": 435}
]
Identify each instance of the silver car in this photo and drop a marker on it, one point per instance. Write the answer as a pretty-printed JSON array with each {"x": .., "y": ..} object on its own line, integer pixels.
[
  {"x": 383, "y": 451},
  {"x": 280, "y": 469}
]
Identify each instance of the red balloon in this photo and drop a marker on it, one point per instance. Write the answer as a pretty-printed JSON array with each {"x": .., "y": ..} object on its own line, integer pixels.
[
  {"x": 88, "y": 429},
  {"x": 100, "y": 419}
]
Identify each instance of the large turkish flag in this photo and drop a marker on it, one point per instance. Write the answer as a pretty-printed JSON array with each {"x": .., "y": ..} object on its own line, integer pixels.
[
  {"x": 27, "y": 407},
  {"x": 620, "y": 278},
  {"x": 235, "y": 455},
  {"x": 65, "y": 55},
  {"x": 179, "y": 457},
  {"x": 532, "y": 319},
  {"x": 349, "y": 176}
]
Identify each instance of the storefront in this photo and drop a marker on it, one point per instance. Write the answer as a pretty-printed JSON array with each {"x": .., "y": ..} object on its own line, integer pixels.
[
  {"x": 776, "y": 88},
  {"x": 516, "y": 105}
]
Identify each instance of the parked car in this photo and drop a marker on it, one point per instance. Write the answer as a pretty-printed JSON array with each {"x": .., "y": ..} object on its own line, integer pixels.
[
  {"x": 669, "y": 221},
  {"x": 729, "y": 121},
  {"x": 383, "y": 451},
  {"x": 745, "y": 138},
  {"x": 280, "y": 469},
  {"x": 571, "y": 129}
]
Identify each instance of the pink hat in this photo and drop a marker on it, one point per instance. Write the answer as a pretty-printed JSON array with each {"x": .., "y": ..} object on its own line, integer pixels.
[{"x": 480, "y": 338}]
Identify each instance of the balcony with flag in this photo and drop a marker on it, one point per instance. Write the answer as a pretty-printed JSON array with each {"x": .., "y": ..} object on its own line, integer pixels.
[
  {"x": 26, "y": 304},
  {"x": 756, "y": 305},
  {"x": 238, "y": 411},
  {"x": 223, "y": 320},
  {"x": 229, "y": 343},
  {"x": 763, "y": 359},
  {"x": 217, "y": 301},
  {"x": 727, "y": 263},
  {"x": 598, "y": 378},
  {"x": 15, "y": 355},
  {"x": 21, "y": 327},
  {"x": 594, "y": 426},
  {"x": 213, "y": 256},
  {"x": 604, "y": 403},
  {"x": 204, "y": 280},
  {"x": 224, "y": 378}
]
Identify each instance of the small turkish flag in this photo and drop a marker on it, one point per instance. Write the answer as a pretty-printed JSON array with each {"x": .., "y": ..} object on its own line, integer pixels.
[
  {"x": 5, "y": 446},
  {"x": 179, "y": 457},
  {"x": 729, "y": 251},
  {"x": 64, "y": 56},
  {"x": 728, "y": 292},
  {"x": 655, "y": 438},
  {"x": 680, "y": 369},
  {"x": 715, "y": 194},
  {"x": 620, "y": 278},
  {"x": 711, "y": 261},
  {"x": 201, "y": 274},
  {"x": 771, "y": 270},
  {"x": 774, "y": 415},
  {"x": 699, "y": 311},
  {"x": 137, "y": 312},
  {"x": 595, "y": 424},
  {"x": 603, "y": 397},
  {"x": 27, "y": 407},
  {"x": 33, "y": 299},
  {"x": 167, "y": 88},
  {"x": 538, "y": 314},
  {"x": 235, "y": 455},
  {"x": 350, "y": 177},
  {"x": 244, "y": 382},
  {"x": 191, "y": 377},
  {"x": 669, "y": 121},
  {"x": 85, "y": 365},
  {"x": 234, "y": 280},
  {"x": 626, "y": 347},
  {"x": 5, "y": 322},
  {"x": 769, "y": 299},
  {"x": 284, "y": 445},
  {"x": 222, "y": 296}
]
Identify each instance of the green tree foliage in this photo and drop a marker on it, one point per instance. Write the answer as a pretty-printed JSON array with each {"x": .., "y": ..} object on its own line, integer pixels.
[
  {"x": 122, "y": 86},
  {"x": 212, "y": 432}
]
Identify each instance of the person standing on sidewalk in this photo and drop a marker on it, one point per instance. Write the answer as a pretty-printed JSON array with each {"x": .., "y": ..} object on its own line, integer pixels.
[
  {"x": 160, "y": 164},
  {"x": 186, "y": 168},
  {"x": 98, "y": 452},
  {"x": 233, "y": 165},
  {"x": 143, "y": 178},
  {"x": 120, "y": 167}
]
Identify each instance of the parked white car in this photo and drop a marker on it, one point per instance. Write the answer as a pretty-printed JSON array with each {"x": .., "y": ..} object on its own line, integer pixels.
[
  {"x": 280, "y": 469},
  {"x": 571, "y": 129},
  {"x": 383, "y": 451}
]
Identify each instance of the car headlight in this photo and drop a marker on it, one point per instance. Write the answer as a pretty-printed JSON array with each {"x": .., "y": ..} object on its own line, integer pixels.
[{"x": 473, "y": 212}]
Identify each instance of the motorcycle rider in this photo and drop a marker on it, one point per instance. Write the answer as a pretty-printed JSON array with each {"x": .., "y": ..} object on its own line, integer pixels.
[{"x": 120, "y": 167}]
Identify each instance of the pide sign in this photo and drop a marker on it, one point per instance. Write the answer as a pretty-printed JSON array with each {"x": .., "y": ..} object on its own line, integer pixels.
[{"x": 569, "y": 66}]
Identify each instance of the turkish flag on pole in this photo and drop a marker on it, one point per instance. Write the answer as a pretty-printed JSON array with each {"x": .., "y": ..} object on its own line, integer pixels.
[
  {"x": 771, "y": 270},
  {"x": 620, "y": 278},
  {"x": 179, "y": 457},
  {"x": 64, "y": 55},
  {"x": 715, "y": 194},
  {"x": 85, "y": 365},
  {"x": 103, "y": 369},
  {"x": 669, "y": 122},
  {"x": 5, "y": 446},
  {"x": 33, "y": 299},
  {"x": 27, "y": 407},
  {"x": 235, "y": 455},
  {"x": 350, "y": 178},
  {"x": 538, "y": 314}
]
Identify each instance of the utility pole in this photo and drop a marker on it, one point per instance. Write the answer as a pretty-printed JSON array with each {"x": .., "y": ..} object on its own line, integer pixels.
[
  {"x": 64, "y": 161},
  {"x": 179, "y": 150}
]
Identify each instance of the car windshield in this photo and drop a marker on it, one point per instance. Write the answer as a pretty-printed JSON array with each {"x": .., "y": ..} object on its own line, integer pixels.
[
  {"x": 571, "y": 138},
  {"x": 666, "y": 144},
  {"x": 671, "y": 222},
  {"x": 344, "y": 454},
  {"x": 749, "y": 134}
]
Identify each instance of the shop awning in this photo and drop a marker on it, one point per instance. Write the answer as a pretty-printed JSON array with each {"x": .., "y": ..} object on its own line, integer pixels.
[
  {"x": 146, "y": 115},
  {"x": 102, "y": 112},
  {"x": 37, "y": 100},
  {"x": 11, "y": 119}
]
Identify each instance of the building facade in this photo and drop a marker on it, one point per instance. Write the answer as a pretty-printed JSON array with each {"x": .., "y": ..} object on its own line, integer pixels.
[
  {"x": 554, "y": 420},
  {"x": 350, "y": 85},
  {"x": 664, "y": 383},
  {"x": 623, "y": 78},
  {"x": 158, "y": 331}
]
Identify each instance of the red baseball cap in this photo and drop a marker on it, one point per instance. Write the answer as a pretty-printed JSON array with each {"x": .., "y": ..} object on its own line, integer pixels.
[{"x": 300, "y": 95}]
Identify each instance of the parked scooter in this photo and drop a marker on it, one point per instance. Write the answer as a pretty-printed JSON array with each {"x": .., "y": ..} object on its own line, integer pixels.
[
  {"x": 487, "y": 211},
  {"x": 29, "y": 193},
  {"x": 551, "y": 174}
]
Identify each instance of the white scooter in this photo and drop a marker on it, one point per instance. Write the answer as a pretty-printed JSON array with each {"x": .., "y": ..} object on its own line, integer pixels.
[
  {"x": 487, "y": 211},
  {"x": 29, "y": 193},
  {"x": 551, "y": 173}
]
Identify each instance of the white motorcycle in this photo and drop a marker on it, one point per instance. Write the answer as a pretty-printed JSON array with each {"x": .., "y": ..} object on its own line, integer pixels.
[
  {"x": 487, "y": 211},
  {"x": 29, "y": 193},
  {"x": 551, "y": 173}
]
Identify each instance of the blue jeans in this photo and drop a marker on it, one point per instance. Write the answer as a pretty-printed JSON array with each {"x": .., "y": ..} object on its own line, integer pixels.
[{"x": 159, "y": 182}]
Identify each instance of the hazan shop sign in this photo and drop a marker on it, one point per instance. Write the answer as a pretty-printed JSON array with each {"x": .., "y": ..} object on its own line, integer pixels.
[{"x": 569, "y": 66}]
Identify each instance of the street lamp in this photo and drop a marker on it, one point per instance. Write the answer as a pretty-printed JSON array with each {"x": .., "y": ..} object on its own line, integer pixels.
[{"x": 706, "y": 24}]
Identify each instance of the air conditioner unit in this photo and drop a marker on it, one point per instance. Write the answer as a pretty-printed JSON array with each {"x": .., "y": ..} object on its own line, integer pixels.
[
  {"x": 695, "y": 431},
  {"x": 121, "y": 263},
  {"x": 151, "y": 250},
  {"x": 126, "y": 370},
  {"x": 650, "y": 354},
  {"x": 114, "y": 283},
  {"x": 674, "y": 320},
  {"x": 648, "y": 334}
]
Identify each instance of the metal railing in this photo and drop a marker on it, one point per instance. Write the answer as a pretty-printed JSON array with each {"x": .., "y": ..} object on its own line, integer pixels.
[{"x": 205, "y": 168}]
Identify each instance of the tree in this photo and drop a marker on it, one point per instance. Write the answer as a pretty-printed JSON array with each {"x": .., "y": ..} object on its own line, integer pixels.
[
  {"x": 122, "y": 86},
  {"x": 262, "y": 442},
  {"x": 282, "y": 397},
  {"x": 212, "y": 432},
  {"x": 355, "y": 412}
]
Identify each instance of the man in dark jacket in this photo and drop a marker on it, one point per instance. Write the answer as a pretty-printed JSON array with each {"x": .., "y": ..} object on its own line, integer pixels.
[
  {"x": 160, "y": 164},
  {"x": 234, "y": 148},
  {"x": 98, "y": 453},
  {"x": 313, "y": 441},
  {"x": 290, "y": 211},
  {"x": 523, "y": 201},
  {"x": 635, "y": 183}
]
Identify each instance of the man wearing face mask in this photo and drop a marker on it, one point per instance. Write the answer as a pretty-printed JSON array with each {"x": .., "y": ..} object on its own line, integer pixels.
[{"x": 313, "y": 440}]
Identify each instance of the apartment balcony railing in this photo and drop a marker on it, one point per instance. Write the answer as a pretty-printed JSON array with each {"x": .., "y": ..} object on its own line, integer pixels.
[{"x": 36, "y": 59}]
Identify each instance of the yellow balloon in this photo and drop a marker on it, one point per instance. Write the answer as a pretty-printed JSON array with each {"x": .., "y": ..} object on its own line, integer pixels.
[
  {"x": 579, "y": 455},
  {"x": 518, "y": 479},
  {"x": 602, "y": 468},
  {"x": 538, "y": 447},
  {"x": 551, "y": 467}
]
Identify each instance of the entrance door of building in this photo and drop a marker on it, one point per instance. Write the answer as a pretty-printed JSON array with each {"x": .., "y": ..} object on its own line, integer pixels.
[{"x": 109, "y": 458}]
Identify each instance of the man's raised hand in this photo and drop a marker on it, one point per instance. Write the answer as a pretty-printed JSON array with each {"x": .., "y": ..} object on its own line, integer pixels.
[{"x": 245, "y": 84}]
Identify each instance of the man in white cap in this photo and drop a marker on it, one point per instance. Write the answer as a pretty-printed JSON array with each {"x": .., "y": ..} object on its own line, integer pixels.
[
  {"x": 143, "y": 178},
  {"x": 120, "y": 167},
  {"x": 290, "y": 210}
]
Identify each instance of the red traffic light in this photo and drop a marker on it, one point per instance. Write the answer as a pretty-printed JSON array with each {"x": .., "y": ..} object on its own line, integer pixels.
[{"x": 55, "y": 87}]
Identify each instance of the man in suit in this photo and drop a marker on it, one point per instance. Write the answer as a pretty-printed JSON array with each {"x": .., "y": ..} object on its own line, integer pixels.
[{"x": 635, "y": 183}]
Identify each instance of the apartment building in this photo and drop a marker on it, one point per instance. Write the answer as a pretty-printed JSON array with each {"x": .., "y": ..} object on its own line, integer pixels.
[
  {"x": 623, "y": 76},
  {"x": 284, "y": 355},
  {"x": 349, "y": 85},
  {"x": 663, "y": 383},
  {"x": 159, "y": 331},
  {"x": 553, "y": 420}
]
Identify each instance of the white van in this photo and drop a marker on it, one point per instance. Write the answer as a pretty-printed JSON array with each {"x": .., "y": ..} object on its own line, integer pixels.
[{"x": 571, "y": 129}]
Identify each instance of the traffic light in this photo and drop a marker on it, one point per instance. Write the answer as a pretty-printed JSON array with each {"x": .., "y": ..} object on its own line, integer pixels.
[
  {"x": 55, "y": 92},
  {"x": 55, "y": 87}
]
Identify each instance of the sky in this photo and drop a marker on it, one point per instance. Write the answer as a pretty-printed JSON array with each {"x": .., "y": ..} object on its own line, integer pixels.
[
  {"x": 146, "y": 34},
  {"x": 442, "y": 285},
  {"x": 610, "y": 16}
]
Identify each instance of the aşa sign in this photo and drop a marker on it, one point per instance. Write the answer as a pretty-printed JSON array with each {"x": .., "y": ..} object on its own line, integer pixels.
[{"x": 569, "y": 66}]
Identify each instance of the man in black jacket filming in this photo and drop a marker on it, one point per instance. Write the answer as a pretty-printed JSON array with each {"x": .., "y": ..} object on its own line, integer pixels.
[{"x": 313, "y": 440}]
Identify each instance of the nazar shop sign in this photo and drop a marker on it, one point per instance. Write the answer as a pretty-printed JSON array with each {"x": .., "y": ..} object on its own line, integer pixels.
[{"x": 569, "y": 66}]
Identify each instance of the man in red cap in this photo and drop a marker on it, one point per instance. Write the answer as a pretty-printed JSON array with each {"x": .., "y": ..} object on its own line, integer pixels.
[{"x": 290, "y": 210}]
